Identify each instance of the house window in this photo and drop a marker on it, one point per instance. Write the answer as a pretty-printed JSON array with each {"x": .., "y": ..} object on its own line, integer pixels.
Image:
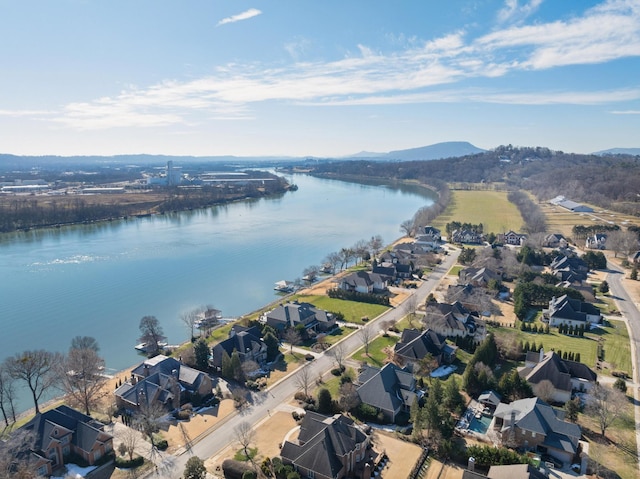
[
  {"x": 358, "y": 447},
  {"x": 311, "y": 475},
  {"x": 42, "y": 471},
  {"x": 533, "y": 434}
]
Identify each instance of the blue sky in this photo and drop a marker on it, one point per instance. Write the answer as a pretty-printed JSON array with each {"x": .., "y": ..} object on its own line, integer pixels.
[{"x": 322, "y": 78}]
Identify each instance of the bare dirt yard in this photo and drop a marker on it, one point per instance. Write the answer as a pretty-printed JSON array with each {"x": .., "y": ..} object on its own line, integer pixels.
[{"x": 402, "y": 455}]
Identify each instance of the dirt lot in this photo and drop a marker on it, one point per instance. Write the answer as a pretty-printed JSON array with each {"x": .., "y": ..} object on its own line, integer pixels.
[{"x": 402, "y": 455}]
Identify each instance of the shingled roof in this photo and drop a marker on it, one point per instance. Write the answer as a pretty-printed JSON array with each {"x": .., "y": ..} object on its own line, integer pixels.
[{"x": 322, "y": 442}]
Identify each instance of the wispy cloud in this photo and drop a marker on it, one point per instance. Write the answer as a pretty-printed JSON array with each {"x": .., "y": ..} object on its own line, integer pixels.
[
  {"x": 514, "y": 12},
  {"x": 625, "y": 112},
  {"x": 424, "y": 72},
  {"x": 252, "y": 12}
]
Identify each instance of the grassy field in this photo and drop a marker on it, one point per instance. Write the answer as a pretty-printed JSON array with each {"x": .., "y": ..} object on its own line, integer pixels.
[
  {"x": 377, "y": 354},
  {"x": 617, "y": 349},
  {"x": 491, "y": 208},
  {"x": 353, "y": 310},
  {"x": 562, "y": 221}
]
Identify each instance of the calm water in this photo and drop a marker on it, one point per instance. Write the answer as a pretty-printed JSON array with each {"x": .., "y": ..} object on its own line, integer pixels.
[{"x": 99, "y": 280}]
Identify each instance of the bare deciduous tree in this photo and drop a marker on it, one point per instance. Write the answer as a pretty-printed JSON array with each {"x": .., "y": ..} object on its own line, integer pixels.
[
  {"x": 366, "y": 336},
  {"x": 292, "y": 337},
  {"x": 338, "y": 352},
  {"x": 349, "y": 398},
  {"x": 81, "y": 374},
  {"x": 376, "y": 243},
  {"x": 407, "y": 227},
  {"x": 333, "y": 260},
  {"x": 544, "y": 390},
  {"x": 189, "y": 320},
  {"x": 151, "y": 333},
  {"x": 14, "y": 462},
  {"x": 244, "y": 434},
  {"x": 304, "y": 380},
  {"x": 129, "y": 438},
  {"x": 37, "y": 369},
  {"x": 7, "y": 395},
  {"x": 148, "y": 418},
  {"x": 606, "y": 405}
]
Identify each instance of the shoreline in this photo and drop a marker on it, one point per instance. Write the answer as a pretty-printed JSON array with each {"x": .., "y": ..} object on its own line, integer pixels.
[{"x": 124, "y": 373}]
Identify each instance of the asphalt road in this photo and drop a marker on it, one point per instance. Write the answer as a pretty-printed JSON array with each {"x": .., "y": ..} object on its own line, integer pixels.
[
  {"x": 629, "y": 311},
  {"x": 172, "y": 466}
]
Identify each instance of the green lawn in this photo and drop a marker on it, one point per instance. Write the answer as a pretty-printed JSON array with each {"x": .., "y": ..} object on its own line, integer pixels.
[
  {"x": 353, "y": 311},
  {"x": 455, "y": 270},
  {"x": 377, "y": 356},
  {"x": 491, "y": 208},
  {"x": 617, "y": 350}
]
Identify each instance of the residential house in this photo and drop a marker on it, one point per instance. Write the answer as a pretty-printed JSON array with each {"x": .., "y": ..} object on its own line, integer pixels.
[
  {"x": 365, "y": 282},
  {"x": 62, "y": 431},
  {"x": 453, "y": 320},
  {"x": 292, "y": 314},
  {"x": 396, "y": 271},
  {"x": 533, "y": 425},
  {"x": 555, "y": 240},
  {"x": 480, "y": 277},
  {"x": 512, "y": 238},
  {"x": 634, "y": 258},
  {"x": 572, "y": 312},
  {"x": 246, "y": 341},
  {"x": 466, "y": 237},
  {"x": 430, "y": 239},
  {"x": 162, "y": 380},
  {"x": 414, "y": 345},
  {"x": 565, "y": 376},
  {"x": 330, "y": 447},
  {"x": 596, "y": 241},
  {"x": 390, "y": 389},
  {"x": 569, "y": 268}
]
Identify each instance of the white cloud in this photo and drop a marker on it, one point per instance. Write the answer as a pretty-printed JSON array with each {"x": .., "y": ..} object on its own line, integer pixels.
[
  {"x": 252, "y": 12},
  {"x": 413, "y": 74},
  {"x": 625, "y": 112},
  {"x": 513, "y": 11}
]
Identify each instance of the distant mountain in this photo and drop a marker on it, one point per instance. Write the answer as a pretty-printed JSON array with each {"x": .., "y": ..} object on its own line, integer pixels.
[
  {"x": 449, "y": 149},
  {"x": 619, "y": 151}
]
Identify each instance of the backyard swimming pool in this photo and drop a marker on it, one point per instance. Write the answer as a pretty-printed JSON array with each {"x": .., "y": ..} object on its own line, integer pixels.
[{"x": 480, "y": 425}]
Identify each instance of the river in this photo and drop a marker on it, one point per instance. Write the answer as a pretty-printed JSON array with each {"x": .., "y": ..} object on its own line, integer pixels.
[{"x": 99, "y": 280}]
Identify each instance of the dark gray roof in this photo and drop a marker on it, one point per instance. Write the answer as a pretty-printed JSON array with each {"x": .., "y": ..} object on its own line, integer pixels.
[
  {"x": 292, "y": 314},
  {"x": 553, "y": 368},
  {"x": 187, "y": 376},
  {"x": 364, "y": 278},
  {"x": 571, "y": 309},
  {"x": 515, "y": 471},
  {"x": 240, "y": 339},
  {"x": 535, "y": 415},
  {"x": 383, "y": 387},
  {"x": 454, "y": 316},
  {"x": 322, "y": 441},
  {"x": 414, "y": 344},
  {"x": 86, "y": 430},
  {"x": 157, "y": 387}
]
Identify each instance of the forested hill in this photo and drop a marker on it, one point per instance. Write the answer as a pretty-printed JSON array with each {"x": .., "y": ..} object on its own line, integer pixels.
[{"x": 609, "y": 182}]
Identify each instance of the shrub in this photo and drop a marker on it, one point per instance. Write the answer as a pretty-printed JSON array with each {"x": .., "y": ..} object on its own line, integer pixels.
[
  {"x": 300, "y": 396},
  {"x": 162, "y": 444},
  {"x": 123, "y": 463},
  {"x": 234, "y": 469},
  {"x": 249, "y": 475},
  {"x": 336, "y": 372},
  {"x": 182, "y": 415},
  {"x": 309, "y": 357}
]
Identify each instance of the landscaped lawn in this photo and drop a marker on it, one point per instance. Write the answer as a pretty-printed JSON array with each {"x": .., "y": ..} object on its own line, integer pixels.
[
  {"x": 491, "y": 208},
  {"x": 353, "y": 311},
  {"x": 617, "y": 350},
  {"x": 455, "y": 270},
  {"x": 377, "y": 356}
]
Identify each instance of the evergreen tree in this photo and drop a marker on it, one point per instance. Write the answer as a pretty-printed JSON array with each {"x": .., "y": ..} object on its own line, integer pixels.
[
  {"x": 437, "y": 391},
  {"x": 604, "y": 287},
  {"x": 325, "y": 402},
  {"x": 226, "y": 371},
  {"x": 453, "y": 400},
  {"x": 572, "y": 408},
  {"x": 236, "y": 366},
  {"x": 634, "y": 274},
  {"x": 201, "y": 353},
  {"x": 273, "y": 346}
]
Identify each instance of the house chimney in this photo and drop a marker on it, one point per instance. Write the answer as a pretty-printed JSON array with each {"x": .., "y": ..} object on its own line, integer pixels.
[
  {"x": 541, "y": 355},
  {"x": 471, "y": 464},
  {"x": 146, "y": 370}
]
